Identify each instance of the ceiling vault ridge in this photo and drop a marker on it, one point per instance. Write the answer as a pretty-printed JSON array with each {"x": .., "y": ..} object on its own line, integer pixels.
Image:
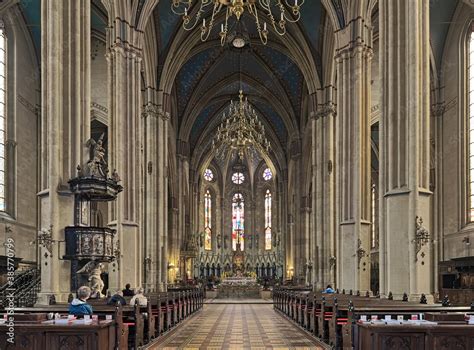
[{"x": 198, "y": 102}]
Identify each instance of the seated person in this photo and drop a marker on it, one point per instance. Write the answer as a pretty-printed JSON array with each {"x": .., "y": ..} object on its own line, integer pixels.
[
  {"x": 79, "y": 306},
  {"x": 127, "y": 292},
  {"x": 142, "y": 300},
  {"x": 117, "y": 297},
  {"x": 328, "y": 289}
]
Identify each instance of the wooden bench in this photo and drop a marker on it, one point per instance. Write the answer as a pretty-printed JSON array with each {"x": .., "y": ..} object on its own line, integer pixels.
[
  {"x": 37, "y": 333},
  {"x": 333, "y": 317},
  {"x": 342, "y": 330},
  {"x": 416, "y": 337},
  {"x": 28, "y": 316}
]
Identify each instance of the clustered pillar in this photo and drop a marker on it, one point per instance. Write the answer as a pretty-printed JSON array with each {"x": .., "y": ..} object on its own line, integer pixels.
[
  {"x": 405, "y": 148},
  {"x": 353, "y": 58},
  {"x": 65, "y": 127}
]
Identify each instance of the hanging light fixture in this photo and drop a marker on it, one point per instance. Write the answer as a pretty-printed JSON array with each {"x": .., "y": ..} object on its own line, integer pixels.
[
  {"x": 275, "y": 12},
  {"x": 240, "y": 130}
]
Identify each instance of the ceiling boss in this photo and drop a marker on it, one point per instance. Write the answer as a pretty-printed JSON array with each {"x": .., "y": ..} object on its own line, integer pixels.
[{"x": 277, "y": 13}]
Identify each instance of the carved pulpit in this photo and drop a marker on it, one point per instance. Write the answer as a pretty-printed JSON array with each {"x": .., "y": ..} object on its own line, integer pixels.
[{"x": 89, "y": 245}]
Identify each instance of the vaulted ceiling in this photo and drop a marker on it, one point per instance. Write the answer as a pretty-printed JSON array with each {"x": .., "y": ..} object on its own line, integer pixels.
[{"x": 271, "y": 76}]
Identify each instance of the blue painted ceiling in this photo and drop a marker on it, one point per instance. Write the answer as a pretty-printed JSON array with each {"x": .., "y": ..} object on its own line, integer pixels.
[
  {"x": 31, "y": 10},
  {"x": 441, "y": 14},
  {"x": 215, "y": 64}
]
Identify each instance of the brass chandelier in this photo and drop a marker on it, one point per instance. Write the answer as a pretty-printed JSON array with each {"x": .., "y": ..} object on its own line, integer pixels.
[
  {"x": 262, "y": 11},
  {"x": 240, "y": 130}
]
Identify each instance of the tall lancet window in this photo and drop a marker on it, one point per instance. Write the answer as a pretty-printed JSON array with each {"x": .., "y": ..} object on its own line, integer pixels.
[
  {"x": 208, "y": 220},
  {"x": 470, "y": 63},
  {"x": 373, "y": 236},
  {"x": 3, "y": 72},
  {"x": 238, "y": 221},
  {"x": 268, "y": 220}
]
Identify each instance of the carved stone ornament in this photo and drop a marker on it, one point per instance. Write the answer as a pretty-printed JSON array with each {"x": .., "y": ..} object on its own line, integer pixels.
[
  {"x": 422, "y": 236},
  {"x": 360, "y": 252}
]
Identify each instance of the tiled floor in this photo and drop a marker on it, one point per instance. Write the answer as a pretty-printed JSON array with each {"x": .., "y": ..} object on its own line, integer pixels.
[
  {"x": 238, "y": 301},
  {"x": 238, "y": 326}
]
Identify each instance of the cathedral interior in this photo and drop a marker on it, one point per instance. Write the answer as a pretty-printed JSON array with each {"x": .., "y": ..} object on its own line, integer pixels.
[{"x": 239, "y": 156}]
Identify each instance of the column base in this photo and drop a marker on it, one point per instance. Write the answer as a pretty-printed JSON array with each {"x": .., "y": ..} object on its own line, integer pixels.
[{"x": 416, "y": 298}]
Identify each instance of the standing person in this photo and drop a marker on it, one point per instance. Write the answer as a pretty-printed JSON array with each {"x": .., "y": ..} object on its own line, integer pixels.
[
  {"x": 127, "y": 292},
  {"x": 79, "y": 306}
]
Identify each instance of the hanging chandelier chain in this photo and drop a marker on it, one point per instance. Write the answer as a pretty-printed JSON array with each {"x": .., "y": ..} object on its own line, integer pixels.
[{"x": 261, "y": 10}]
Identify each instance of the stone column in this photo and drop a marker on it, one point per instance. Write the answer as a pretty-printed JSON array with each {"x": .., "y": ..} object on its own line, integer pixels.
[
  {"x": 353, "y": 164},
  {"x": 152, "y": 239},
  {"x": 328, "y": 220},
  {"x": 65, "y": 128},
  {"x": 323, "y": 189},
  {"x": 162, "y": 184},
  {"x": 405, "y": 147},
  {"x": 124, "y": 63}
]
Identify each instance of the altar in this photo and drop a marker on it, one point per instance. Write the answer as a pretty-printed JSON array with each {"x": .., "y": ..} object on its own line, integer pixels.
[{"x": 239, "y": 288}]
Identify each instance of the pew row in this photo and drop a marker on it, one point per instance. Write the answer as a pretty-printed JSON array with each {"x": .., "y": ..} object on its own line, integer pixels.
[
  {"x": 134, "y": 326},
  {"x": 333, "y": 317}
]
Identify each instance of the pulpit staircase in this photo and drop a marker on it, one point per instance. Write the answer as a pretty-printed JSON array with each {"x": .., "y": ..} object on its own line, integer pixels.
[{"x": 25, "y": 289}]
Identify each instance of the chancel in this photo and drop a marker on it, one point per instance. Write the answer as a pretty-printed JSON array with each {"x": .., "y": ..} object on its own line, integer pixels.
[{"x": 236, "y": 174}]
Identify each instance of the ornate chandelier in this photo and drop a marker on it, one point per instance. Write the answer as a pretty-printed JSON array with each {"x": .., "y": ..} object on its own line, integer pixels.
[
  {"x": 240, "y": 129},
  {"x": 262, "y": 11}
]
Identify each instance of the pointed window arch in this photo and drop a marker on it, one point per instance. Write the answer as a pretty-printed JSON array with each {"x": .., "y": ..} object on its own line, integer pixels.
[
  {"x": 3, "y": 124},
  {"x": 470, "y": 99},
  {"x": 268, "y": 220},
  {"x": 238, "y": 221},
  {"x": 208, "y": 220}
]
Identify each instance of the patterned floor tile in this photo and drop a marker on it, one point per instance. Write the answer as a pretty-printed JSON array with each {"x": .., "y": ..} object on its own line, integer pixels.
[{"x": 238, "y": 326}]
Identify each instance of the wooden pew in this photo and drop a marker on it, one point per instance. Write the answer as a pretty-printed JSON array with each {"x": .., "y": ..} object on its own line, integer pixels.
[
  {"x": 333, "y": 317},
  {"x": 342, "y": 330},
  {"x": 419, "y": 337},
  {"x": 120, "y": 329},
  {"x": 36, "y": 333}
]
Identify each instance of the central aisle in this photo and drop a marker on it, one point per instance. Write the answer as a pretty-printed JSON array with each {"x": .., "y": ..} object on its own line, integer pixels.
[{"x": 238, "y": 326}]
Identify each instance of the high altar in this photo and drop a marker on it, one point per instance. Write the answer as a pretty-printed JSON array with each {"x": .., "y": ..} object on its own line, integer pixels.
[{"x": 240, "y": 284}]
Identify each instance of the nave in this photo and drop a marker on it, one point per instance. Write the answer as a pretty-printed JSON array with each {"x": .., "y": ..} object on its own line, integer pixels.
[{"x": 238, "y": 326}]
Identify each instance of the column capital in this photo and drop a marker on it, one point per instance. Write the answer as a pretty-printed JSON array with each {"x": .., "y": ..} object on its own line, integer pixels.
[
  {"x": 438, "y": 109},
  {"x": 154, "y": 111},
  {"x": 124, "y": 49},
  {"x": 355, "y": 38},
  {"x": 324, "y": 110}
]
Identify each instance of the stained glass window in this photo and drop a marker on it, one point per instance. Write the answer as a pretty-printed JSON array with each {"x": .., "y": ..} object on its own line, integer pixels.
[
  {"x": 207, "y": 221},
  {"x": 373, "y": 239},
  {"x": 2, "y": 117},
  {"x": 471, "y": 122},
  {"x": 268, "y": 220},
  {"x": 238, "y": 178},
  {"x": 267, "y": 174},
  {"x": 238, "y": 221},
  {"x": 208, "y": 175}
]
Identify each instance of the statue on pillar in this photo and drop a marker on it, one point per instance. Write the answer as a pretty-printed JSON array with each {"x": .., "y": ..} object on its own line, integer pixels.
[
  {"x": 309, "y": 268},
  {"x": 94, "y": 269},
  {"x": 97, "y": 164}
]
